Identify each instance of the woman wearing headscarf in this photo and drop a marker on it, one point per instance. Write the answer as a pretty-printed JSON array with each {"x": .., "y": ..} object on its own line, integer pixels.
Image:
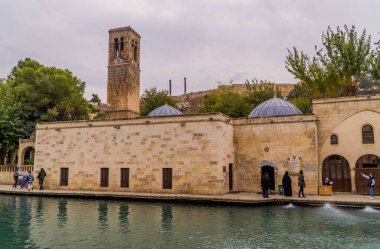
[{"x": 287, "y": 184}]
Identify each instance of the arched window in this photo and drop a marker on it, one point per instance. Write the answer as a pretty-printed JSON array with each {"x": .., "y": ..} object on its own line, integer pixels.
[
  {"x": 367, "y": 135},
  {"x": 334, "y": 139},
  {"x": 28, "y": 156}
]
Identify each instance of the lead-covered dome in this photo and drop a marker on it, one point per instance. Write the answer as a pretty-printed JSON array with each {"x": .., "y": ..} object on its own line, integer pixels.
[
  {"x": 274, "y": 107},
  {"x": 165, "y": 110}
]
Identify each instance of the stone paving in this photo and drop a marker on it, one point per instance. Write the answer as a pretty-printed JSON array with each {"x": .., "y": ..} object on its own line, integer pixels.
[{"x": 247, "y": 198}]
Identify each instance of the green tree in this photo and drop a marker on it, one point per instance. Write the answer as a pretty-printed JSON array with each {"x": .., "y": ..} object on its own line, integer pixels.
[
  {"x": 375, "y": 67},
  {"x": 47, "y": 93},
  {"x": 95, "y": 99},
  {"x": 257, "y": 92},
  {"x": 34, "y": 93},
  {"x": 337, "y": 68},
  {"x": 301, "y": 97},
  {"x": 12, "y": 122},
  {"x": 153, "y": 98},
  {"x": 225, "y": 100}
]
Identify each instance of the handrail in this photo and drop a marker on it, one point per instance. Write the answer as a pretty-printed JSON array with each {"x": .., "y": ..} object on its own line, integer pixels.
[{"x": 22, "y": 168}]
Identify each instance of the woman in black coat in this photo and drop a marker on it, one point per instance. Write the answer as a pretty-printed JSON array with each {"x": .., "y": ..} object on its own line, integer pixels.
[{"x": 287, "y": 184}]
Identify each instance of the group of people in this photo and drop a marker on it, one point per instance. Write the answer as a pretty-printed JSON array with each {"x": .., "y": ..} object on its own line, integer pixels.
[
  {"x": 28, "y": 179},
  {"x": 286, "y": 184}
]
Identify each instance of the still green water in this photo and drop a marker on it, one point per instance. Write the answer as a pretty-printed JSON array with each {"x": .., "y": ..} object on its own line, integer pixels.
[{"x": 35, "y": 222}]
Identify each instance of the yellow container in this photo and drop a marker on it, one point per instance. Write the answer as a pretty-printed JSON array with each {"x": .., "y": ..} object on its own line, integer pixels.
[{"x": 325, "y": 190}]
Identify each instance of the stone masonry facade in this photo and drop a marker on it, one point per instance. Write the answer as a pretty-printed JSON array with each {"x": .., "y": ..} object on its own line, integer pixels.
[
  {"x": 197, "y": 149},
  {"x": 123, "y": 85}
]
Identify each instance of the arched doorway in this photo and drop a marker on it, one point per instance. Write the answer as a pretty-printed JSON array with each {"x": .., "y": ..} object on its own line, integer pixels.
[
  {"x": 28, "y": 156},
  {"x": 337, "y": 169},
  {"x": 366, "y": 164},
  {"x": 270, "y": 171}
]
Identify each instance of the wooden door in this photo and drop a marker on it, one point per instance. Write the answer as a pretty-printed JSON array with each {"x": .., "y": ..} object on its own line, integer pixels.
[{"x": 336, "y": 168}]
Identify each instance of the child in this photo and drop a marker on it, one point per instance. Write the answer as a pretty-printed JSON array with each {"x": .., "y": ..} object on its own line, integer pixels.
[{"x": 30, "y": 181}]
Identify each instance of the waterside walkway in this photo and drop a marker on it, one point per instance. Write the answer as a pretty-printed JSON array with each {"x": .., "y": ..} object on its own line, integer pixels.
[{"x": 242, "y": 198}]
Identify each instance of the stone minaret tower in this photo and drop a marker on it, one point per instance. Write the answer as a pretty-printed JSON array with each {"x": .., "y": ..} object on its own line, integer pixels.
[{"x": 123, "y": 84}]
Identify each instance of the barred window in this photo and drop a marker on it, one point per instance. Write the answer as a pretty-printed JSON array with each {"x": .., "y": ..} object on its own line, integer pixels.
[
  {"x": 167, "y": 175},
  {"x": 104, "y": 175},
  {"x": 124, "y": 177},
  {"x": 64, "y": 177}
]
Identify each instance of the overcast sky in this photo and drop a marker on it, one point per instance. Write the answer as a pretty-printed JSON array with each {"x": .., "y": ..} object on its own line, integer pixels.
[{"x": 206, "y": 41}]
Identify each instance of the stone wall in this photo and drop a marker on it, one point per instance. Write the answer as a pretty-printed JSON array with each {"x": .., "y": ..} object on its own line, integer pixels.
[
  {"x": 123, "y": 81},
  {"x": 345, "y": 118},
  {"x": 289, "y": 143},
  {"x": 196, "y": 147}
]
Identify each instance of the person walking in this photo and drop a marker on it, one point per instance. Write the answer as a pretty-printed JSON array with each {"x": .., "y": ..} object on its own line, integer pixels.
[
  {"x": 41, "y": 177},
  {"x": 287, "y": 184},
  {"x": 301, "y": 184},
  {"x": 265, "y": 184},
  {"x": 24, "y": 181},
  {"x": 15, "y": 178},
  {"x": 371, "y": 184},
  {"x": 30, "y": 181}
]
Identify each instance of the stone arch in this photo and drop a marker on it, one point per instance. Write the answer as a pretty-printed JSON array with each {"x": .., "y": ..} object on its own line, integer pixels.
[
  {"x": 366, "y": 164},
  {"x": 27, "y": 157},
  {"x": 337, "y": 169},
  {"x": 333, "y": 129}
]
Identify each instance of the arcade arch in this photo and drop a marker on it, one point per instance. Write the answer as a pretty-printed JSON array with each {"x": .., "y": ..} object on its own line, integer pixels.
[
  {"x": 366, "y": 164},
  {"x": 337, "y": 169},
  {"x": 28, "y": 156}
]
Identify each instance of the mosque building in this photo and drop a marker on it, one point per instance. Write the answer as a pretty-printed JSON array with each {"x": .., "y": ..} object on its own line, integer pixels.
[{"x": 169, "y": 152}]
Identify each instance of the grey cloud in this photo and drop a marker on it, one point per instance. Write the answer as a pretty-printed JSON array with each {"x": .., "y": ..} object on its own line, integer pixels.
[{"x": 206, "y": 41}]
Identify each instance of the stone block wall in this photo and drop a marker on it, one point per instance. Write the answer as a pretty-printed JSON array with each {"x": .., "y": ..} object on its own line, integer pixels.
[
  {"x": 345, "y": 117},
  {"x": 195, "y": 147},
  {"x": 276, "y": 140},
  {"x": 123, "y": 81}
]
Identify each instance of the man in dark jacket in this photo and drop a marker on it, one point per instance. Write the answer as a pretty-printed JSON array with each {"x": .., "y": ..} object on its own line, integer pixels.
[
  {"x": 265, "y": 184},
  {"x": 15, "y": 178},
  {"x": 41, "y": 177}
]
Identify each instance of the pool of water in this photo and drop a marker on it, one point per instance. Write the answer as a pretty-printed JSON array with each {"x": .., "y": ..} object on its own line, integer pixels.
[{"x": 35, "y": 222}]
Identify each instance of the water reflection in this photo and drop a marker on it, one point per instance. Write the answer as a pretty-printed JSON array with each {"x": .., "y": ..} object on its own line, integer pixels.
[
  {"x": 30, "y": 222},
  {"x": 39, "y": 211},
  {"x": 166, "y": 218},
  {"x": 103, "y": 215},
  {"x": 62, "y": 212},
  {"x": 123, "y": 217}
]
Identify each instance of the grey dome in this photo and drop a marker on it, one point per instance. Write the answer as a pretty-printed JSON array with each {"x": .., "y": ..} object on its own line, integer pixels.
[
  {"x": 165, "y": 110},
  {"x": 274, "y": 107}
]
